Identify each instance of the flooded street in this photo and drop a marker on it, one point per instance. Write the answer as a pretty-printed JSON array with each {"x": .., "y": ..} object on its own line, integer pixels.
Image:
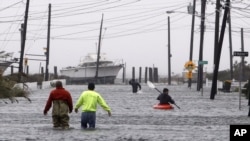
[{"x": 133, "y": 118}]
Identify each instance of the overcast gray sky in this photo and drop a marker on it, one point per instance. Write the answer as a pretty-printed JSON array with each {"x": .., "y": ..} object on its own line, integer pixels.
[{"x": 134, "y": 31}]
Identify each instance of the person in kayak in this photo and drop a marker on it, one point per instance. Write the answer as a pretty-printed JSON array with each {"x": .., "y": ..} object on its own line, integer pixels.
[
  {"x": 165, "y": 98},
  {"x": 62, "y": 106},
  {"x": 89, "y": 100},
  {"x": 135, "y": 85}
]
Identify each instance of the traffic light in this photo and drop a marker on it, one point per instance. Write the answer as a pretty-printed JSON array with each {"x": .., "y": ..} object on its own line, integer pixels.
[{"x": 25, "y": 61}]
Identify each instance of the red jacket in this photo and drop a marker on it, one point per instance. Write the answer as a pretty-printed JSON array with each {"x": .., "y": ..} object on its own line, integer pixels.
[{"x": 59, "y": 94}]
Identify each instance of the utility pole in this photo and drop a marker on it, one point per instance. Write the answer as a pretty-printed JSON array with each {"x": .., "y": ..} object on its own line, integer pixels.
[
  {"x": 192, "y": 40},
  {"x": 169, "y": 54},
  {"x": 217, "y": 24},
  {"x": 216, "y": 33},
  {"x": 21, "y": 31},
  {"x": 98, "y": 52},
  {"x": 200, "y": 67},
  {"x": 230, "y": 43},
  {"x": 23, "y": 34},
  {"x": 217, "y": 62},
  {"x": 48, "y": 46}
]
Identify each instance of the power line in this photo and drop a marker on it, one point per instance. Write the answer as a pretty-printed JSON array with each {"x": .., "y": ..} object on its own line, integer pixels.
[{"x": 7, "y": 7}]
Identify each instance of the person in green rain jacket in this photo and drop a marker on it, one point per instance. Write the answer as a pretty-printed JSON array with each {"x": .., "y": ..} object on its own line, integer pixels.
[{"x": 88, "y": 100}]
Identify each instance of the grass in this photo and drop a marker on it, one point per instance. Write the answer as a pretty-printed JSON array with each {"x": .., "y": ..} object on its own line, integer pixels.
[{"x": 8, "y": 90}]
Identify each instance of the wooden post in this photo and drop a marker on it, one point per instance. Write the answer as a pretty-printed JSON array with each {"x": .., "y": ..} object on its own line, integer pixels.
[
  {"x": 12, "y": 69},
  {"x": 150, "y": 71},
  {"x": 42, "y": 71},
  {"x": 133, "y": 72},
  {"x": 55, "y": 72},
  {"x": 156, "y": 75},
  {"x": 27, "y": 70},
  {"x": 146, "y": 74},
  {"x": 139, "y": 74}
]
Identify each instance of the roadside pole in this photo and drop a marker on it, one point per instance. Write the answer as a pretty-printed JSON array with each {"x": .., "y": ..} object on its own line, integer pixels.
[
  {"x": 242, "y": 55},
  {"x": 201, "y": 81},
  {"x": 240, "y": 84}
]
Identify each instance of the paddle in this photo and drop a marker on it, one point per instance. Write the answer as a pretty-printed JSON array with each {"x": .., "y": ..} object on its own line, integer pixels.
[{"x": 151, "y": 85}]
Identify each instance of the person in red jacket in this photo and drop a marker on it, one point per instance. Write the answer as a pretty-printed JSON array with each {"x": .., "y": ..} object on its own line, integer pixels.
[{"x": 62, "y": 106}]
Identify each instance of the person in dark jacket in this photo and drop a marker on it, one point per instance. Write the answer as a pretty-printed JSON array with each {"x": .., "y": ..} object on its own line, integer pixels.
[
  {"x": 165, "y": 98},
  {"x": 62, "y": 106},
  {"x": 135, "y": 85}
]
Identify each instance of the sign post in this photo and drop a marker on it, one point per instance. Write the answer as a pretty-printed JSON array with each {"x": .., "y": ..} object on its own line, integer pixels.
[
  {"x": 241, "y": 54},
  {"x": 202, "y": 63},
  {"x": 190, "y": 66}
]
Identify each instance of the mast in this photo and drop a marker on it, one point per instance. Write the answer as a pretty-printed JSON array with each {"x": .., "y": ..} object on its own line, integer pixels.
[{"x": 98, "y": 52}]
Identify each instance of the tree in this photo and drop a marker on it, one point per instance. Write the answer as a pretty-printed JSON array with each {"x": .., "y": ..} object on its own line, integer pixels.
[{"x": 225, "y": 74}]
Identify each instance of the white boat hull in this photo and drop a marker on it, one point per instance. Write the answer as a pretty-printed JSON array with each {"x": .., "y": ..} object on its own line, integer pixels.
[
  {"x": 5, "y": 60},
  {"x": 4, "y": 65},
  {"x": 81, "y": 75}
]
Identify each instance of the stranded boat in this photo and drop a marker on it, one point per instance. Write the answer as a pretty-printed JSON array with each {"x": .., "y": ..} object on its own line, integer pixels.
[
  {"x": 5, "y": 60},
  {"x": 87, "y": 70}
]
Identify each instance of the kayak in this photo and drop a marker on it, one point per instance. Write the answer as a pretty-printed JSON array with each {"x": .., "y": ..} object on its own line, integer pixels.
[{"x": 163, "y": 106}]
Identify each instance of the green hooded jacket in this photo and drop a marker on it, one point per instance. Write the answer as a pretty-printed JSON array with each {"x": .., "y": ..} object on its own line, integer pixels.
[{"x": 89, "y": 99}]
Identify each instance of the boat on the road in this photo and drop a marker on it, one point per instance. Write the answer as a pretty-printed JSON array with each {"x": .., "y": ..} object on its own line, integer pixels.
[
  {"x": 5, "y": 60},
  {"x": 87, "y": 70}
]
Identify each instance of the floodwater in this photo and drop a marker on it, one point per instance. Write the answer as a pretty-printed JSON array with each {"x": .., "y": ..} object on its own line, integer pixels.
[{"x": 133, "y": 118}]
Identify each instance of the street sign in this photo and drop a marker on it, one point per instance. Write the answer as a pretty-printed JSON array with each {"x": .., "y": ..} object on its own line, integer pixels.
[
  {"x": 202, "y": 62},
  {"x": 189, "y": 74},
  {"x": 189, "y": 66},
  {"x": 240, "y": 53}
]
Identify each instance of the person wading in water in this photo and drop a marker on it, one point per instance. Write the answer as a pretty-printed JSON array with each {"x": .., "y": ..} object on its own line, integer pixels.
[{"x": 62, "y": 106}]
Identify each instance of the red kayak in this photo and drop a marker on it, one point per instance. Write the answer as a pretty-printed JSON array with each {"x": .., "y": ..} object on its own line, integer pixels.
[{"x": 163, "y": 106}]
